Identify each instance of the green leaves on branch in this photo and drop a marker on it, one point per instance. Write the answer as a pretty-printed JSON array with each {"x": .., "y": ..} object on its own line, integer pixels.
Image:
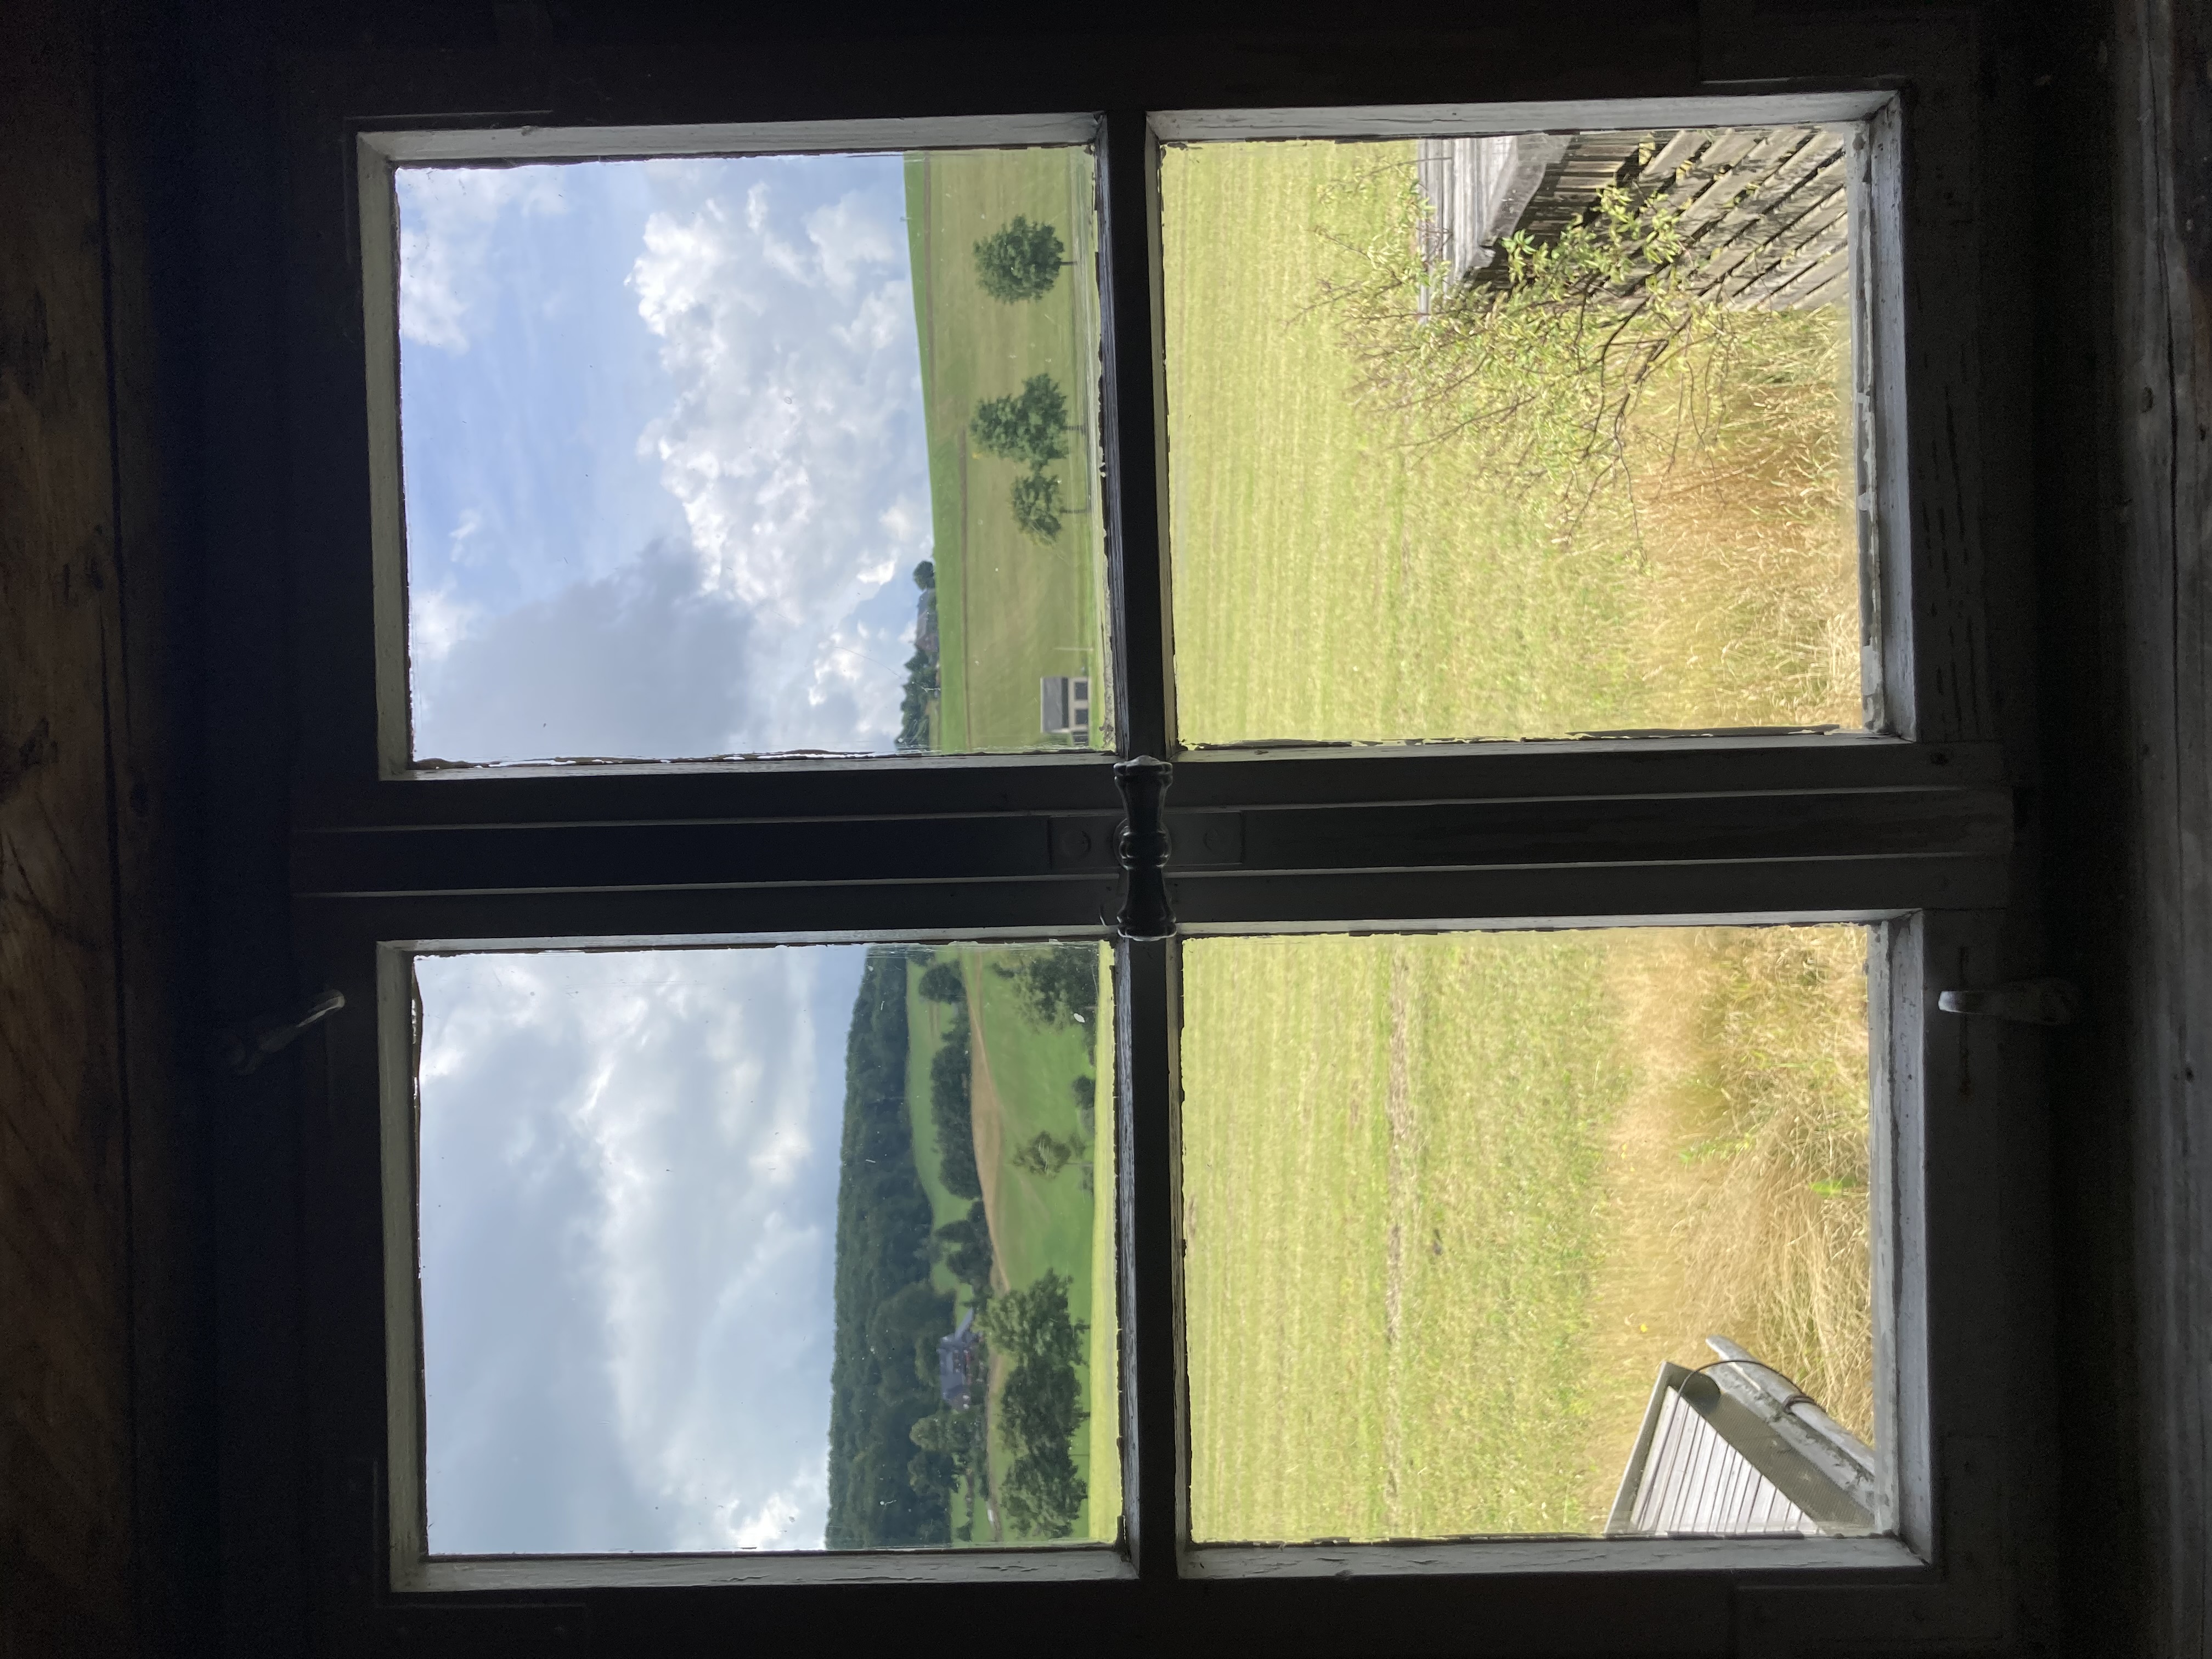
[
  {"x": 1037, "y": 506},
  {"x": 1038, "y": 1406},
  {"x": 1540, "y": 360},
  {"x": 1021, "y": 262},
  {"x": 1060, "y": 984},
  {"x": 1046, "y": 1156},
  {"x": 1033, "y": 1324},
  {"x": 1029, "y": 426}
]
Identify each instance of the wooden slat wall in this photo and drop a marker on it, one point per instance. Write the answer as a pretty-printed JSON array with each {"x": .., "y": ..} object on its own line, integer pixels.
[{"x": 102, "y": 1296}]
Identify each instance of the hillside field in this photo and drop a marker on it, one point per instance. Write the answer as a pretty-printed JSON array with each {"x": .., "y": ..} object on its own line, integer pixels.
[
  {"x": 1009, "y": 610},
  {"x": 1023, "y": 1072}
]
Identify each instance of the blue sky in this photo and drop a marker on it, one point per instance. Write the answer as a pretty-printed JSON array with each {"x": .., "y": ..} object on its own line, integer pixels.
[
  {"x": 628, "y": 1178},
  {"x": 665, "y": 473}
]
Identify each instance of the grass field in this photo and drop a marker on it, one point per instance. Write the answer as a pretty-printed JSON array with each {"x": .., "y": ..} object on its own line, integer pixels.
[
  {"x": 1337, "y": 577},
  {"x": 1009, "y": 610},
  {"x": 1451, "y": 1199}
]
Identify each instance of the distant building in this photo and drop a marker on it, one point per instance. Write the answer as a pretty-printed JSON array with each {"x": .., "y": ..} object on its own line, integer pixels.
[
  {"x": 1065, "y": 700},
  {"x": 959, "y": 1366}
]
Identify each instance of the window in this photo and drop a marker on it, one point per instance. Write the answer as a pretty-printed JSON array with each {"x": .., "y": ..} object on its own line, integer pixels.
[{"x": 1490, "y": 680}]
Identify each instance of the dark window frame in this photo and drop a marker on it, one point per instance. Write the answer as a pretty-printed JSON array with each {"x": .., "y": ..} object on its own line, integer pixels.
[{"x": 1913, "y": 832}]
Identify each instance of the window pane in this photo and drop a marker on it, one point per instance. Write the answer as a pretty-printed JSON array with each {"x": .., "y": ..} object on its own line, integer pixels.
[
  {"x": 713, "y": 456},
  {"x": 1511, "y": 437},
  {"x": 777, "y": 1248},
  {"x": 1454, "y": 1204}
]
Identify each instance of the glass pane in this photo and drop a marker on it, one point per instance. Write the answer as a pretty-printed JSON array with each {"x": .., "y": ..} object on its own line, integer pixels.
[
  {"x": 798, "y": 1248},
  {"x": 715, "y": 456},
  {"x": 1511, "y": 437},
  {"x": 1465, "y": 1213}
]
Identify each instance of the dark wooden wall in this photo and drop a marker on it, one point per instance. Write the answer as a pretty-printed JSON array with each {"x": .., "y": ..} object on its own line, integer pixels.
[
  {"x": 105, "y": 1407},
  {"x": 2123, "y": 497}
]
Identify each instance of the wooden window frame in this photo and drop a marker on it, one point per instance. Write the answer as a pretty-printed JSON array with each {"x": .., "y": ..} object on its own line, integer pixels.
[{"x": 1912, "y": 831}]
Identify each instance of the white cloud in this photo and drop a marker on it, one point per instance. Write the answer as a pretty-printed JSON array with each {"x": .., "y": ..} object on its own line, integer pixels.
[
  {"x": 648, "y": 1132},
  {"x": 445, "y": 220},
  {"x": 436, "y": 623},
  {"x": 795, "y": 446}
]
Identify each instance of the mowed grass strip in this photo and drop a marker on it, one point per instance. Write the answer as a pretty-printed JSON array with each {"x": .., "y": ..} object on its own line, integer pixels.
[
  {"x": 1388, "y": 1161},
  {"x": 1010, "y": 610},
  {"x": 1451, "y": 1199},
  {"x": 1338, "y": 574}
]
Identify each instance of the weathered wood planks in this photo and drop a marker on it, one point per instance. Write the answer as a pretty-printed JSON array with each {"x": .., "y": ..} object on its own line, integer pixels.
[{"x": 102, "y": 1288}]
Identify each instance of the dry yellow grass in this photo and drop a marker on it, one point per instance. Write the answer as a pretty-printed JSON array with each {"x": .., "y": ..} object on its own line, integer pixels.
[{"x": 1339, "y": 574}]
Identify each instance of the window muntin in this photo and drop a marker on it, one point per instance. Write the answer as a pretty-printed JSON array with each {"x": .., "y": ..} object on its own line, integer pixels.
[
  {"x": 710, "y": 454},
  {"x": 790, "y": 1248},
  {"x": 1514, "y": 434}
]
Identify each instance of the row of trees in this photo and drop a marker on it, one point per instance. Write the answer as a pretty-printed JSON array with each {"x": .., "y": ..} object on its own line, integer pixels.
[
  {"x": 950, "y": 1082},
  {"x": 922, "y": 679},
  {"x": 1039, "y": 1409},
  {"x": 1019, "y": 264},
  {"x": 1029, "y": 426},
  {"x": 888, "y": 1317}
]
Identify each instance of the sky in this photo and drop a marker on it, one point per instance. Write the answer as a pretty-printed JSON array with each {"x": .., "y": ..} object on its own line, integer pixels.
[
  {"x": 628, "y": 1181},
  {"x": 665, "y": 474}
]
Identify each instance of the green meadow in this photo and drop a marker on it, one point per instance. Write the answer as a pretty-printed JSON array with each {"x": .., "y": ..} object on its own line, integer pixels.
[
  {"x": 1449, "y": 1201},
  {"x": 1010, "y": 610},
  {"x": 1351, "y": 568}
]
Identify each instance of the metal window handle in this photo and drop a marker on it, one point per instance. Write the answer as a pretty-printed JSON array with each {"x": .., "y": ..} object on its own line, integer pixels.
[
  {"x": 241, "y": 1049},
  {"x": 1143, "y": 848},
  {"x": 2024, "y": 1001}
]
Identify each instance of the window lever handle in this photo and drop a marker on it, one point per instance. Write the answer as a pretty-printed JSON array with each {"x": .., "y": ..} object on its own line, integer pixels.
[
  {"x": 241, "y": 1049},
  {"x": 2024, "y": 1001}
]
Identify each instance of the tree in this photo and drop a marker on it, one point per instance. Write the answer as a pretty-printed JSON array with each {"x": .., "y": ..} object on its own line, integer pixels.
[
  {"x": 1046, "y": 1156},
  {"x": 1058, "y": 984},
  {"x": 964, "y": 1247},
  {"x": 950, "y": 1110},
  {"x": 1021, "y": 262},
  {"x": 1030, "y": 425},
  {"x": 1033, "y": 1323},
  {"x": 941, "y": 982},
  {"x": 1037, "y": 506},
  {"x": 1042, "y": 1491}
]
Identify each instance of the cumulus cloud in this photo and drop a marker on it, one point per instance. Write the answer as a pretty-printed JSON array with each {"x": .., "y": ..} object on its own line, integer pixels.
[
  {"x": 628, "y": 1198},
  {"x": 437, "y": 621},
  {"x": 640, "y": 662},
  {"x": 446, "y": 217},
  {"x": 795, "y": 445}
]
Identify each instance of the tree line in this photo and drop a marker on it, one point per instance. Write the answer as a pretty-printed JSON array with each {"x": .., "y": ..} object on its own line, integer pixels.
[
  {"x": 888, "y": 1317},
  {"x": 1016, "y": 265}
]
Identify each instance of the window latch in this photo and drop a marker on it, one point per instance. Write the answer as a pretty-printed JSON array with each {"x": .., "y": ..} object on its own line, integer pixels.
[
  {"x": 241, "y": 1049},
  {"x": 1144, "y": 849},
  {"x": 2024, "y": 1001}
]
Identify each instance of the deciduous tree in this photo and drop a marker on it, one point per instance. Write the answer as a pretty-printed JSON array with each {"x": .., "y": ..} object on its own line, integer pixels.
[{"x": 1021, "y": 262}]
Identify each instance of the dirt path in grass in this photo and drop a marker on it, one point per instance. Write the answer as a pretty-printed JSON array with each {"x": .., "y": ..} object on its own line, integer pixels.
[{"x": 983, "y": 1117}]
